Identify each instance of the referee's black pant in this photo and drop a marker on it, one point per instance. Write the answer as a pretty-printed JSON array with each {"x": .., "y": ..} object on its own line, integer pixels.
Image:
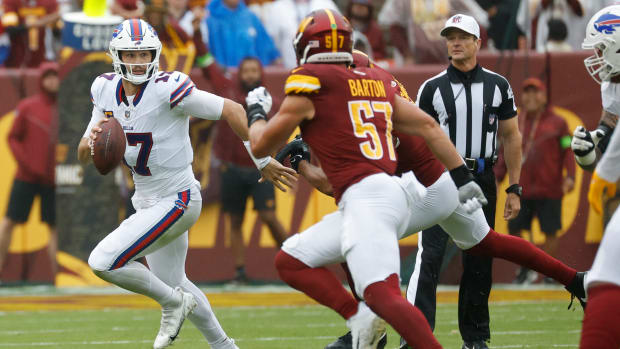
[{"x": 476, "y": 280}]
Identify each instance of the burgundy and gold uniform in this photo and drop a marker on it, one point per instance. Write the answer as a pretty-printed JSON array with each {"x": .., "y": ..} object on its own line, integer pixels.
[
  {"x": 414, "y": 155},
  {"x": 27, "y": 40},
  {"x": 351, "y": 132},
  {"x": 412, "y": 152}
]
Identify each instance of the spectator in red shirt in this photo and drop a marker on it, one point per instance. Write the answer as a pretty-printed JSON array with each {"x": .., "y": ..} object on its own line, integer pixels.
[
  {"x": 25, "y": 21},
  {"x": 546, "y": 152},
  {"x": 127, "y": 8},
  {"x": 360, "y": 13},
  {"x": 240, "y": 176},
  {"x": 33, "y": 140}
]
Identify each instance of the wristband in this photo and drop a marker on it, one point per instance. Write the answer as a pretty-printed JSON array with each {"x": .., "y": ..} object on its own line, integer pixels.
[
  {"x": 259, "y": 163},
  {"x": 606, "y": 129},
  {"x": 205, "y": 60},
  {"x": 461, "y": 175},
  {"x": 587, "y": 159},
  {"x": 515, "y": 189},
  {"x": 255, "y": 112}
]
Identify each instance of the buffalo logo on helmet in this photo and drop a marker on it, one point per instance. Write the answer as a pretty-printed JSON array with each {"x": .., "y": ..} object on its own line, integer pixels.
[
  {"x": 607, "y": 23},
  {"x": 117, "y": 30}
]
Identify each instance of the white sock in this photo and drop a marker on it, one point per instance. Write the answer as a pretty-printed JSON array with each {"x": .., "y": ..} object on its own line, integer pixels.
[
  {"x": 136, "y": 277},
  {"x": 204, "y": 319}
]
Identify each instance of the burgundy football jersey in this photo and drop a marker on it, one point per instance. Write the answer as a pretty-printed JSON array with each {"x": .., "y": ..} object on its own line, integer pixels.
[
  {"x": 351, "y": 132},
  {"x": 414, "y": 155}
]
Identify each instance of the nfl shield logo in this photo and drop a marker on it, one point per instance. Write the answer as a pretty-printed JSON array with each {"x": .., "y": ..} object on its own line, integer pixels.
[
  {"x": 127, "y": 114},
  {"x": 492, "y": 118}
]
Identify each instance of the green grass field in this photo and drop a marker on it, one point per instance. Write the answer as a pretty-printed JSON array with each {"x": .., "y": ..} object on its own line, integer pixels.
[{"x": 513, "y": 325}]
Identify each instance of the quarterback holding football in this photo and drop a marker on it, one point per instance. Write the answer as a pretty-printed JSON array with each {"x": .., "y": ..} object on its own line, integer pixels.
[{"x": 154, "y": 109}]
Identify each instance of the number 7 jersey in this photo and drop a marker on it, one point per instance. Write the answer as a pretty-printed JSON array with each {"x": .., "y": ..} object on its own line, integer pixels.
[
  {"x": 158, "y": 151},
  {"x": 351, "y": 132}
]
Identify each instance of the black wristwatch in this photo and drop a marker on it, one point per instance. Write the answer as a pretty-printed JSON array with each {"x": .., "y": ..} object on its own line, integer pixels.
[{"x": 515, "y": 189}]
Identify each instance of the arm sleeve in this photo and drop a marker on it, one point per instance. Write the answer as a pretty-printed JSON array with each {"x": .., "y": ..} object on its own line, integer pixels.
[
  {"x": 508, "y": 108},
  {"x": 425, "y": 100},
  {"x": 94, "y": 119},
  {"x": 608, "y": 168},
  {"x": 202, "y": 104}
]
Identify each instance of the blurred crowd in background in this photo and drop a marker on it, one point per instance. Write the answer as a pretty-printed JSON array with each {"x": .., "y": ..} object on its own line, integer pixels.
[{"x": 393, "y": 32}]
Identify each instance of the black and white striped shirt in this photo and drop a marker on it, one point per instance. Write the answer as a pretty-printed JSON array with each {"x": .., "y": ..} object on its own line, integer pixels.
[{"x": 468, "y": 106}]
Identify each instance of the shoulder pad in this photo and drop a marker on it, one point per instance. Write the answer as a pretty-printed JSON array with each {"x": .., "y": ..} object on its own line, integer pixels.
[
  {"x": 302, "y": 81},
  {"x": 98, "y": 86}
]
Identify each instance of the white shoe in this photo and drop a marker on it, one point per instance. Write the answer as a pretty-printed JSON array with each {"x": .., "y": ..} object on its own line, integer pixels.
[
  {"x": 172, "y": 319},
  {"x": 366, "y": 328},
  {"x": 228, "y": 344}
]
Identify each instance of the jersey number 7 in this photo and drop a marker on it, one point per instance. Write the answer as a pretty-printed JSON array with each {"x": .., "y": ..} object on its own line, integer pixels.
[{"x": 146, "y": 144}]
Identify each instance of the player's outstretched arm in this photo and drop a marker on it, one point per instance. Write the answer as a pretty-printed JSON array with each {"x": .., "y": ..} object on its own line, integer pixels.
[
  {"x": 265, "y": 137},
  {"x": 234, "y": 114},
  {"x": 316, "y": 177},
  {"x": 299, "y": 156},
  {"x": 410, "y": 119},
  {"x": 278, "y": 174},
  {"x": 587, "y": 145}
]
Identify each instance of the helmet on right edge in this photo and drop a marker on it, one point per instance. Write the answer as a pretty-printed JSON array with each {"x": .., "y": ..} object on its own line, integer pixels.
[
  {"x": 603, "y": 36},
  {"x": 324, "y": 36}
]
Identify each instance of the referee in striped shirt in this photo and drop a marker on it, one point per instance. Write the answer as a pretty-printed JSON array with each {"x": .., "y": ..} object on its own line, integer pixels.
[{"x": 474, "y": 106}]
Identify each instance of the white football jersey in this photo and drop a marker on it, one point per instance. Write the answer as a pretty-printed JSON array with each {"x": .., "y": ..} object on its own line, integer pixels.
[
  {"x": 610, "y": 95},
  {"x": 609, "y": 165},
  {"x": 158, "y": 150}
]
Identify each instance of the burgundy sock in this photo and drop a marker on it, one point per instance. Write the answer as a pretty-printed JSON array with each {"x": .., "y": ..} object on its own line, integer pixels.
[
  {"x": 347, "y": 272},
  {"x": 523, "y": 252},
  {"x": 385, "y": 300},
  {"x": 601, "y": 324},
  {"x": 318, "y": 283}
]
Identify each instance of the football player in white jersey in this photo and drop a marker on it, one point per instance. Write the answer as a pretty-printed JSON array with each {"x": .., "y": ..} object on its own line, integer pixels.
[
  {"x": 153, "y": 108},
  {"x": 601, "y": 324},
  {"x": 604, "y": 67}
]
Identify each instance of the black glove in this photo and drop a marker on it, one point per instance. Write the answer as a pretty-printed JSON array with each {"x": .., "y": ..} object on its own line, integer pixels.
[
  {"x": 254, "y": 113},
  {"x": 468, "y": 189},
  {"x": 297, "y": 149}
]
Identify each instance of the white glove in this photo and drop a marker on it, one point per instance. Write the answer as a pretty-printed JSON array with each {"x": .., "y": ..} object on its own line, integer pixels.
[
  {"x": 471, "y": 191},
  {"x": 471, "y": 205},
  {"x": 583, "y": 144},
  {"x": 261, "y": 96}
]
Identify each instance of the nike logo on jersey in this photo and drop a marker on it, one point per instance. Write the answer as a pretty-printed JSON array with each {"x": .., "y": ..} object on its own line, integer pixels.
[{"x": 177, "y": 79}]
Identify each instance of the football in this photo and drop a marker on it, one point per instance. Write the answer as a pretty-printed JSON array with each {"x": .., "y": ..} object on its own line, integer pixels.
[{"x": 109, "y": 147}]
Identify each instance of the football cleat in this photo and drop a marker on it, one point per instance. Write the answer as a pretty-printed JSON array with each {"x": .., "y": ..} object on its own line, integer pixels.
[
  {"x": 475, "y": 345},
  {"x": 366, "y": 328},
  {"x": 346, "y": 342},
  {"x": 172, "y": 320},
  {"x": 577, "y": 289}
]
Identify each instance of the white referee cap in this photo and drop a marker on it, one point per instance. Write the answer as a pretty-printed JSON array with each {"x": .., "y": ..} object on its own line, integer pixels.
[{"x": 463, "y": 22}]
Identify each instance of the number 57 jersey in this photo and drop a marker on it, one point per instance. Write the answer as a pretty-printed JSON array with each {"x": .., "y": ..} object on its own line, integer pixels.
[
  {"x": 351, "y": 132},
  {"x": 158, "y": 151}
]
